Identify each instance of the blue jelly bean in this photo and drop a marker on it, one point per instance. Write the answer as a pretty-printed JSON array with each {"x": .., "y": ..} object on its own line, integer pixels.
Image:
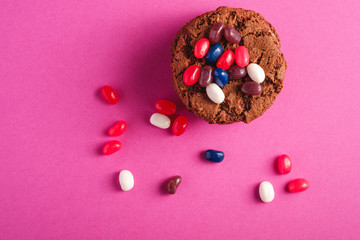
[
  {"x": 214, "y": 156},
  {"x": 221, "y": 77},
  {"x": 214, "y": 53}
]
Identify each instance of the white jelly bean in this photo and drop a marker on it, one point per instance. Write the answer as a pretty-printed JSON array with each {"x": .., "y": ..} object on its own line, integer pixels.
[
  {"x": 160, "y": 120},
  {"x": 266, "y": 191},
  {"x": 255, "y": 72},
  {"x": 126, "y": 180},
  {"x": 215, "y": 93}
]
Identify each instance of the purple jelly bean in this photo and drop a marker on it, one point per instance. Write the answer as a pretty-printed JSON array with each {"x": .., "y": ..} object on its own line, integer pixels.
[
  {"x": 206, "y": 76},
  {"x": 251, "y": 88},
  {"x": 216, "y": 32},
  {"x": 231, "y": 35},
  {"x": 236, "y": 72}
]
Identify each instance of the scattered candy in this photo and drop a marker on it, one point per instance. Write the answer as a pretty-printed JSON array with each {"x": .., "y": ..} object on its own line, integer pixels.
[
  {"x": 255, "y": 72},
  {"x": 221, "y": 77},
  {"x": 266, "y": 191},
  {"x": 160, "y": 120},
  {"x": 165, "y": 107},
  {"x": 298, "y": 185},
  {"x": 226, "y": 60},
  {"x": 237, "y": 73},
  {"x": 191, "y": 74},
  {"x": 216, "y": 32},
  {"x": 215, "y": 93},
  {"x": 201, "y": 48},
  {"x": 251, "y": 88},
  {"x": 231, "y": 35},
  {"x": 214, "y": 53},
  {"x": 242, "y": 57},
  {"x": 109, "y": 94},
  {"x": 126, "y": 180},
  {"x": 283, "y": 164},
  {"x": 206, "y": 76},
  {"x": 214, "y": 155},
  {"x": 173, "y": 184},
  {"x": 111, "y": 147},
  {"x": 179, "y": 125},
  {"x": 117, "y": 129}
]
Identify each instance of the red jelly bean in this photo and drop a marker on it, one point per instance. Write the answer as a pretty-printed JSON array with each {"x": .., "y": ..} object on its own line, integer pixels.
[
  {"x": 191, "y": 74},
  {"x": 201, "y": 48},
  {"x": 242, "y": 56},
  {"x": 298, "y": 185},
  {"x": 179, "y": 125},
  {"x": 226, "y": 60},
  {"x": 165, "y": 107},
  {"x": 283, "y": 164},
  {"x": 109, "y": 94},
  {"x": 117, "y": 129},
  {"x": 111, "y": 147}
]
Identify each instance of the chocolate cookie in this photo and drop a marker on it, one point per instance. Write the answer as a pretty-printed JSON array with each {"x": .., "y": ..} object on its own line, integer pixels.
[{"x": 263, "y": 44}]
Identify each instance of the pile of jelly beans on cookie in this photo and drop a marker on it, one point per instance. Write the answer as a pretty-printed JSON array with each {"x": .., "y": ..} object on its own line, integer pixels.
[{"x": 213, "y": 79}]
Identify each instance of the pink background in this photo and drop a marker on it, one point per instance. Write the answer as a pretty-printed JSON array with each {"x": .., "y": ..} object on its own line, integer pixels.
[{"x": 55, "y": 183}]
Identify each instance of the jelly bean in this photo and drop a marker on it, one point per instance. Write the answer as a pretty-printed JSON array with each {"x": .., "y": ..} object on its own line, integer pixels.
[
  {"x": 165, "y": 107},
  {"x": 255, "y": 72},
  {"x": 215, "y": 93},
  {"x": 191, "y": 74},
  {"x": 126, "y": 180},
  {"x": 216, "y": 32},
  {"x": 214, "y": 53},
  {"x": 160, "y": 120},
  {"x": 242, "y": 57},
  {"x": 179, "y": 125},
  {"x": 111, "y": 147},
  {"x": 226, "y": 60},
  {"x": 298, "y": 185},
  {"x": 206, "y": 76},
  {"x": 251, "y": 88},
  {"x": 173, "y": 184},
  {"x": 237, "y": 73},
  {"x": 283, "y": 164},
  {"x": 117, "y": 129},
  {"x": 266, "y": 191},
  {"x": 231, "y": 35},
  {"x": 221, "y": 77},
  {"x": 201, "y": 48},
  {"x": 109, "y": 94},
  {"x": 214, "y": 155}
]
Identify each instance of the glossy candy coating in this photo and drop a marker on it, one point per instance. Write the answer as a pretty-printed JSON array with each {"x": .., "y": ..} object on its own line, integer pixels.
[
  {"x": 165, "y": 107},
  {"x": 283, "y": 164},
  {"x": 109, "y": 94},
  {"x": 201, "y": 48},
  {"x": 126, "y": 180},
  {"x": 173, "y": 184},
  {"x": 214, "y": 53},
  {"x": 191, "y": 74},
  {"x": 251, "y": 88},
  {"x": 216, "y": 32},
  {"x": 266, "y": 191},
  {"x": 117, "y": 129},
  {"x": 232, "y": 35},
  {"x": 242, "y": 57},
  {"x": 226, "y": 60},
  {"x": 160, "y": 120},
  {"x": 179, "y": 125},
  {"x": 298, "y": 185},
  {"x": 111, "y": 147},
  {"x": 214, "y": 155},
  {"x": 215, "y": 93},
  {"x": 236, "y": 72},
  {"x": 206, "y": 76},
  {"x": 221, "y": 77},
  {"x": 255, "y": 72}
]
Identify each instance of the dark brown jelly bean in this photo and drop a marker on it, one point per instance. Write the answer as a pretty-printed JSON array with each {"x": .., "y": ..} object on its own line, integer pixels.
[
  {"x": 216, "y": 32},
  {"x": 236, "y": 72},
  {"x": 231, "y": 35},
  {"x": 173, "y": 183},
  {"x": 251, "y": 88},
  {"x": 206, "y": 76}
]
